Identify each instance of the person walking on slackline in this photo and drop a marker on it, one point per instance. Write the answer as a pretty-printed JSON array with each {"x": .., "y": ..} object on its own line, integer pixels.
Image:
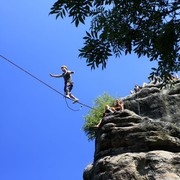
[{"x": 68, "y": 83}]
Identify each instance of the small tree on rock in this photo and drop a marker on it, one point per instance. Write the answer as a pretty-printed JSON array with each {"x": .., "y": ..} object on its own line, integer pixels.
[{"x": 95, "y": 115}]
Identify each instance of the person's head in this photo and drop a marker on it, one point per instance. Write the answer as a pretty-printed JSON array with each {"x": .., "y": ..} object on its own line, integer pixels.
[
  {"x": 64, "y": 68},
  {"x": 118, "y": 102},
  {"x": 106, "y": 107}
]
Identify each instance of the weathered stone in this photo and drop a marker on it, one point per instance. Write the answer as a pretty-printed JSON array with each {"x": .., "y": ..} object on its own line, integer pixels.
[
  {"x": 156, "y": 103},
  {"x": 129, "y": 132},
  {"x": 153, "y": 165},
  {"x": 143, "y": 141}
]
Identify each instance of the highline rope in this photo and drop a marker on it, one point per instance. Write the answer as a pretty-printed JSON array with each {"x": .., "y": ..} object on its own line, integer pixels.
[{"x": 36, "y": 78}]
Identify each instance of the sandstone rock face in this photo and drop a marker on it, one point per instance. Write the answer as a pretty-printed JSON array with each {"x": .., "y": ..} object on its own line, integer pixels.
[
  {"x": 153, "y": 165},
  {"x": 143, "y": 141},
  {"x": 155, "y": 103}
]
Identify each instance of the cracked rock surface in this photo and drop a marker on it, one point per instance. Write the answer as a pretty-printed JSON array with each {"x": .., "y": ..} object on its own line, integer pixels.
[{"x": 143, "y": 141}]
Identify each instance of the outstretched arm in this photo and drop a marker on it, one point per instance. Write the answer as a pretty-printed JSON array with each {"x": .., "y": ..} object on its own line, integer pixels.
[{"x": 56, "y": 75}]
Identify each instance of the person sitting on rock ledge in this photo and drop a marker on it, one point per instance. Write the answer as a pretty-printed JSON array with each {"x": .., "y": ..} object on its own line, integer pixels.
[
  {"x": 137, "y": 88},
  {"x": 118, "y": 106},
  {"x": 153, "y": 80},
  {"x": 174, "y": 77},
  {"x": 108, "y": 110}
]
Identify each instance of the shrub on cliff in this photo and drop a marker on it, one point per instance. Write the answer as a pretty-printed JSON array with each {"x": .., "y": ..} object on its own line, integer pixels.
[{"x": 95, "y": 115}]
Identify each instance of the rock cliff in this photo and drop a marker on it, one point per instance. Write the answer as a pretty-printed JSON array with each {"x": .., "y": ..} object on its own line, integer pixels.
[{"x": 143, "y": 141}]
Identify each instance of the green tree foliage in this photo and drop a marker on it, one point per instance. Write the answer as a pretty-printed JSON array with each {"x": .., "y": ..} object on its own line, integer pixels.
[
  {"x": 146, "y": 27},
  {"x": 95, "y": 115}
]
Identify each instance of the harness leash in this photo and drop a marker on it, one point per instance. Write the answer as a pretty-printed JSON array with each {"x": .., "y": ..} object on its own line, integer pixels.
[
  {"x": 36, "y": 78},
  {"x": 72, "y": 108}
]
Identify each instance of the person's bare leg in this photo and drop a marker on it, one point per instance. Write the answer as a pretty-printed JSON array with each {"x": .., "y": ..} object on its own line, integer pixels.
[
  {"x": 73, "y": 97},
  {"x": 68, "y": 95}
]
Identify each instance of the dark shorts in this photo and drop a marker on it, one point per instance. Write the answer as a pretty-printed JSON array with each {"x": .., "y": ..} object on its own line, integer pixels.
[{"x": 68, "y": 87}]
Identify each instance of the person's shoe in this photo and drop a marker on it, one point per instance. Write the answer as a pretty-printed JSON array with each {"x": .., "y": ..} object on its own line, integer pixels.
[
  {"x": 75, "y": 100},
  {"x": 67, "y": 96}
]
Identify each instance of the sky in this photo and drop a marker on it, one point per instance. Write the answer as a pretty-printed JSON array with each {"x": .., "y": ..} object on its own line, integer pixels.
[{"x": 40, "y": 137}]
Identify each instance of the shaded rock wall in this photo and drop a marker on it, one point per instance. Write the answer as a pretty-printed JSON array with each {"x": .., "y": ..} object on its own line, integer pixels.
[
  {"x": 155, "y": 103},
  {"x": 153, "y": 165},
  {"x": 143, "y": 141}
]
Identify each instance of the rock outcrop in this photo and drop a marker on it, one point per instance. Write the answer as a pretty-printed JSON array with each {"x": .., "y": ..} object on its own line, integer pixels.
[
  {"x": 151, "y": 101},
  {"x": 143, "y": 141}
]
